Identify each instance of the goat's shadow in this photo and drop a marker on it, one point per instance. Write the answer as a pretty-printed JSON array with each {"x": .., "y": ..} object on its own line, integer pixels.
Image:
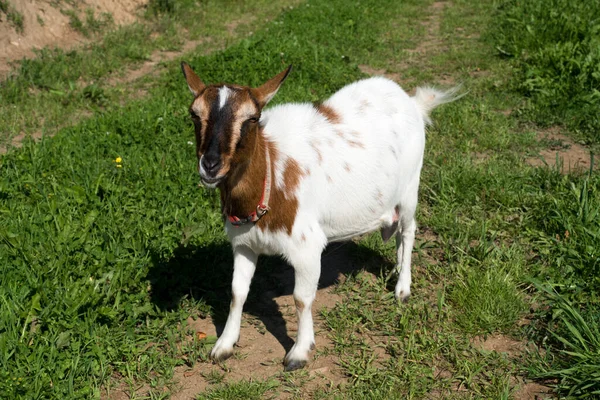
[{"x": 205, "y": 272}]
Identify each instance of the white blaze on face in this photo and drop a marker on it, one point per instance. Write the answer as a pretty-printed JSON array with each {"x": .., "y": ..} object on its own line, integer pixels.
[{"x": 223, "y": 96}]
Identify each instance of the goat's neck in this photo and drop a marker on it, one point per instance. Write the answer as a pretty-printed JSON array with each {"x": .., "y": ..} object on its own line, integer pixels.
[{"x": 243, "y": 188}]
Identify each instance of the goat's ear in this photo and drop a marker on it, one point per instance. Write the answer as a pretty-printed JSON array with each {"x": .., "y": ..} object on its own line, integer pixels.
[
  {"x": 265, "y": 93},
  {"x": 194, "y": 82}
]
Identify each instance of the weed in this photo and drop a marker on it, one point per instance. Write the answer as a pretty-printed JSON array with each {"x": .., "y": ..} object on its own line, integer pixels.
[
  {"x": 577, "y": 340},
  {"x": 12, "y": 15},
  {"x": 91, "y": 25}
]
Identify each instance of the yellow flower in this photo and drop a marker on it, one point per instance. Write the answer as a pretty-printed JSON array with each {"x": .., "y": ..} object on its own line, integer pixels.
[{"x": 118, "y": 159}]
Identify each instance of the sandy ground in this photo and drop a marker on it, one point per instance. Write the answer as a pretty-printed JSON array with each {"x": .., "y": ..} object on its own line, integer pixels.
[{"x": 46, "y": 24}]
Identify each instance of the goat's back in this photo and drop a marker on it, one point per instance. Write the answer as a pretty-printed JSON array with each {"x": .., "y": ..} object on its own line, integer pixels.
[{"x": 360, "y": 152}]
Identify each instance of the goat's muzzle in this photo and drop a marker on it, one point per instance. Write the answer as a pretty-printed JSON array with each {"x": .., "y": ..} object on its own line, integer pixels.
[{"x": 209, "y": 168}]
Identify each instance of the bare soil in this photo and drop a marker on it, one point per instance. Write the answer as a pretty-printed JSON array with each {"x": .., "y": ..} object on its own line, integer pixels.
[
  {"x": 571, "y": 156},
  {"x": 46, "y": 24}
]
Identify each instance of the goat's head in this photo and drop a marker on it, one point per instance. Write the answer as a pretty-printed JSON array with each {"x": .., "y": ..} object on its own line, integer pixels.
[{"x": 226, "y": 121}]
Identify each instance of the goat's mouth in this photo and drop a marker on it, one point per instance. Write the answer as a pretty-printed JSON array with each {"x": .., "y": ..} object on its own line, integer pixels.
[{"x": 211, "y": 183}]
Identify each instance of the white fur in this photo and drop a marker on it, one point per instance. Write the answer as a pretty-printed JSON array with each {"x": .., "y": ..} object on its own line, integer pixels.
[
  {"x": 351, "y": 188},
  {"x": 223, "y": 96}
]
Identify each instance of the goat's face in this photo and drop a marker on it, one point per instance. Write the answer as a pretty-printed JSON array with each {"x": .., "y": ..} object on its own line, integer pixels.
[{"x": 226, "y": 121}]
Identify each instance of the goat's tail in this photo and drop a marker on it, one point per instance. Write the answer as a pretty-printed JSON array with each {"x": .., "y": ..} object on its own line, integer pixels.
[{"x": 427, "y": 98}]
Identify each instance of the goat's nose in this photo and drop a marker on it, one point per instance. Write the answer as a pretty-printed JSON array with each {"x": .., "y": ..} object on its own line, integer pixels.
[{"x": 210, "y": 164}]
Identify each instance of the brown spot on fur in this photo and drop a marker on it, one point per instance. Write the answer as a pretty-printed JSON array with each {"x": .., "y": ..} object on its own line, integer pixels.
[
  {"x": 315, "y": 145},
  {"x": 364, "y": 104},
  {"x": 347, "y": 167},
  {"x": 379, "y": 197},
  {"x": 340, "y": 134},
  {"x": 303, "y": 237},
  {"x": 329, "y": 113},
  {"x": 329, "y": 179},
  {"x": 299, "y": 305},
  {"x": 354, "y": 143}
]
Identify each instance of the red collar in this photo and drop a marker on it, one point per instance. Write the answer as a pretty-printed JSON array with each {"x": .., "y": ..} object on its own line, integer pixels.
[{"x": 263, "y": 205}]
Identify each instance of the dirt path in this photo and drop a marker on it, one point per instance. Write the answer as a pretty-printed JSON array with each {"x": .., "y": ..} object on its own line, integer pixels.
[
  {"x": 46, "y": 23},
  {"x": 428, "y": 44}
]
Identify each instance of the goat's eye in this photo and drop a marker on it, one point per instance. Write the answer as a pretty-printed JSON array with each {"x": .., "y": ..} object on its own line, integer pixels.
[{"x": 253, "y": 120}]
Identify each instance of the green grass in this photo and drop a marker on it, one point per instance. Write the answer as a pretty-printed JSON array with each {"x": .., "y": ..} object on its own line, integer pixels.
[
  {"x": 42, "y": 90},
  {"x": 241, "y": 390},
  {"x": 555, "y": 46},
  {"x": 107, "y": 245}
]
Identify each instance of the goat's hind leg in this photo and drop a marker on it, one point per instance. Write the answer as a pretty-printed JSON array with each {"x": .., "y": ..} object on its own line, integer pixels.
[
  {"x": 405, "y": 239},
  {"x": 244, "y": 265}
]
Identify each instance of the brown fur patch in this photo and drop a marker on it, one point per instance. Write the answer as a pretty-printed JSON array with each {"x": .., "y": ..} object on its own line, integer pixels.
[
  {"x": 283, "y": 204},
  {"x": 292, "y": 174},
  {"x": 243, "y": 188},
  {"x": 329, "y": 113}
]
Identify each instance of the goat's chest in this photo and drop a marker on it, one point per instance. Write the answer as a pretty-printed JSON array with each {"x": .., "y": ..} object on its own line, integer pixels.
[{"x": 258, "y": 240}]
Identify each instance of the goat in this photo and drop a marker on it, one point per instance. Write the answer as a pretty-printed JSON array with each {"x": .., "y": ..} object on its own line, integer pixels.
[{"x": 295, "y": 177}]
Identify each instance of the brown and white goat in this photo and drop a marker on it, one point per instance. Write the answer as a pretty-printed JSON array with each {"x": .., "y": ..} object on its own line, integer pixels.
[{"x": 297, "y": 176}]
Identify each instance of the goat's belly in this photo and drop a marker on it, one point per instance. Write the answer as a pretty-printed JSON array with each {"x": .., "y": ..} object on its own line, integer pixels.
[{"x": 344, "y": 230}]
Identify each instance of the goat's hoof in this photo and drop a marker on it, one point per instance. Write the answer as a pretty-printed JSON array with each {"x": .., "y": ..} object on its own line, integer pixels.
[
  {"x": 221, "y": 354},
  {"x": 403, "y": 297},
  {"x": 292, "y": 365}
]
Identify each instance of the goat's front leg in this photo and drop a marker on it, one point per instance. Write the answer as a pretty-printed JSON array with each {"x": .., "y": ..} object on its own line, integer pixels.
[
  {"x": 307, "y": 266},
  {"x": 244, "y": 265}
]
